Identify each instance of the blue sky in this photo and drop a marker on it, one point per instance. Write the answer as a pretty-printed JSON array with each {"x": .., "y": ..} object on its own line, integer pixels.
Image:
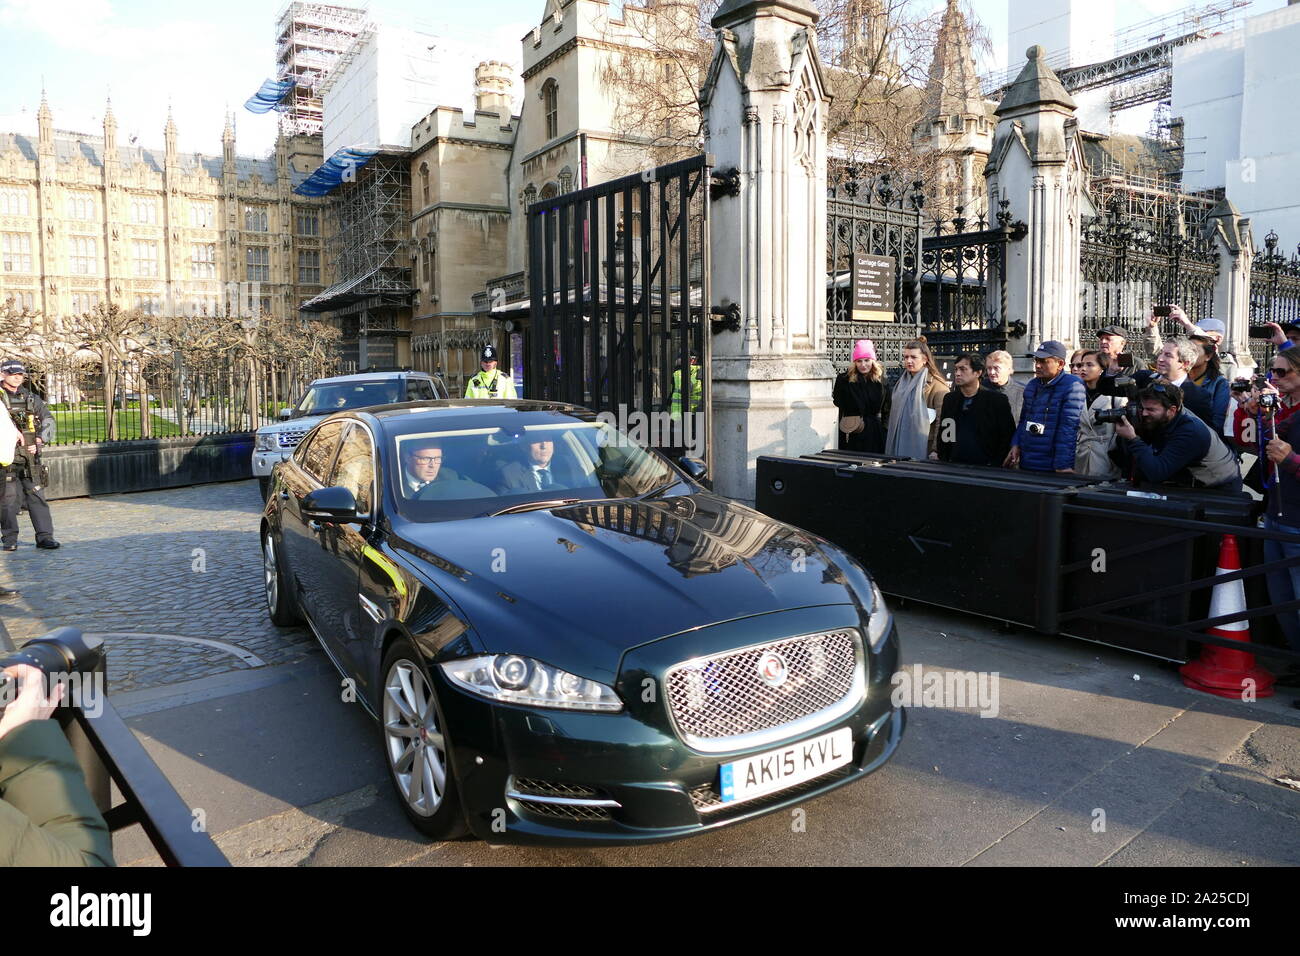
[{"x": 205, "y": 58}]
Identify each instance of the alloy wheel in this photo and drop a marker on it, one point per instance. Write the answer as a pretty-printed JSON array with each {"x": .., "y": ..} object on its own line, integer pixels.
[
  {"x": 270, "y": 572},
  {"x": 417, "y": 751}
]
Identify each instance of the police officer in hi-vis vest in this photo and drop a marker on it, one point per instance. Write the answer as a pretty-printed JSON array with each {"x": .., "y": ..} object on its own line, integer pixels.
[
  {"x": 490, "y": 383},
  {"x": 25, "y": 478}
]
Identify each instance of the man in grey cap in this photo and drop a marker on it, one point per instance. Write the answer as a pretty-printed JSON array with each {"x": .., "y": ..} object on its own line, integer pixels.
[
  {"x": 25, "y": 478},
  {"x": 1110, "y": 346},
  {"x": 1048, "y": 433}
]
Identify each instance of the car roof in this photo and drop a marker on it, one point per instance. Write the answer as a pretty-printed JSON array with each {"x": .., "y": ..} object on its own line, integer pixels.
[
  {"x": 369, "y": 377},
  {"x": 463, "y": 408}
]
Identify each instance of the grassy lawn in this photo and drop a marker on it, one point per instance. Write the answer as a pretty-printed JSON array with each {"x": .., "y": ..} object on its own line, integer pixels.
[{"x": 90, "y": 426}]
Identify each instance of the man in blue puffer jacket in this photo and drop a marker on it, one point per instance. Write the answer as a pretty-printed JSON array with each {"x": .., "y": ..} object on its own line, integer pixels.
[{"x": 1049, "y": 420}]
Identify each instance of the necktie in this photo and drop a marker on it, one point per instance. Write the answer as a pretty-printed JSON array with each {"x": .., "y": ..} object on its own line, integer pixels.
[{"x": 543, "y": 478}]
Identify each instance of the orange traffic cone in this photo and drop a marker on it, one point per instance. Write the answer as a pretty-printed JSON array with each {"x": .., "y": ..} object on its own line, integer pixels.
[{"x": 1220, "y": 670}]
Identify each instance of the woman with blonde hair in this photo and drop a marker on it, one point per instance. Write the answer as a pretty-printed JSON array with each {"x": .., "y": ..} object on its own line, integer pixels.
[
  {"x": 859, "y": 394},
  {"x": 914, "y": 404}
]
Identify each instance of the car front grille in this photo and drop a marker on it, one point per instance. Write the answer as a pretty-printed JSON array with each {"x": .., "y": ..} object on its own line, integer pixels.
[
  {"x": 290, "y": 439},
  {"x": 723, "y": 702}
]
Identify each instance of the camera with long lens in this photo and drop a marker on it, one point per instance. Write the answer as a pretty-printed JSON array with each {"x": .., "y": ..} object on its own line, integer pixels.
[
  {"x": 1113, "y": 416},
  {"x": 59, "y": 654}
]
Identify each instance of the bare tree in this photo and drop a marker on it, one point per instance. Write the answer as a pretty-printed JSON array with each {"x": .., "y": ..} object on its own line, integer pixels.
[
  {"x": 113, "y": 334},
  {"x": 877, "y": 52}
]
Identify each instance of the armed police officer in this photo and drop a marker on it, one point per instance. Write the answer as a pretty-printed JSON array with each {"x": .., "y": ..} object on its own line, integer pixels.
[
  {"x": 25, "y": 478},
  {"x": 490, "y": 383}
]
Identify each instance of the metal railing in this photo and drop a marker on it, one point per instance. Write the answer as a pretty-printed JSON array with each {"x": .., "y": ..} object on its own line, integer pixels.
[{"x": 155, "y": 398}]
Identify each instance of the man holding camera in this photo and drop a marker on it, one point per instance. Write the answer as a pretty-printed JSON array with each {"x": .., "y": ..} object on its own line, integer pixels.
[
  {"x": 1172, "y": 446},
  {"x": 1048, "y": 434},
  {"x": 25, "y": 478},
  {"x": 47, "y": 815}
]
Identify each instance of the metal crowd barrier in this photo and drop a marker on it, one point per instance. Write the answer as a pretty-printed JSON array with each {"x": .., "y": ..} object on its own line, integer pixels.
[
  {"x": 1025, "y": 548},
  {"x": 109, "y": 754}
]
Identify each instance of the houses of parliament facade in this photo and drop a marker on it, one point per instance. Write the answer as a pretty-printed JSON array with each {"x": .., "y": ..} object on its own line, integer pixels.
[{"x": 88, "y": 220}]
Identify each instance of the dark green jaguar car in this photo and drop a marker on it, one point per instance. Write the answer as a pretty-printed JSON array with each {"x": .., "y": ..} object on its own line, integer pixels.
[{"x": 565, "y": 638}]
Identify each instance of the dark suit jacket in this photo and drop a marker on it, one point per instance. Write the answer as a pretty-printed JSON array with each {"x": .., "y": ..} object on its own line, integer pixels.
[
  {"x": 1196, "y": 400},
  {"x": 517, "y": 477},
  {"x": 989, "y": 415}
]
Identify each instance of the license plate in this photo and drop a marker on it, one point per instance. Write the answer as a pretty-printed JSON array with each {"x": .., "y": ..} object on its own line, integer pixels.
[{"x": 777, "y": 769}]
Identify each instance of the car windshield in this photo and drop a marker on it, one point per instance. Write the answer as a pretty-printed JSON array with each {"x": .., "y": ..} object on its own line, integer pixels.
[
  {"x": 333, "y": 397},
  {"x": 484, "y": 464}
]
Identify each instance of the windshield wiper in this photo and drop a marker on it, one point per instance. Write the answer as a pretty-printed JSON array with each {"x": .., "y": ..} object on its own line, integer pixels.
[{"x": 530, "y": 505}]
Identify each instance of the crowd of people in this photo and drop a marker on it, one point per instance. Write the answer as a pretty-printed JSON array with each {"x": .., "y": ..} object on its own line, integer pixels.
[{"x": 1168, "y": 412}]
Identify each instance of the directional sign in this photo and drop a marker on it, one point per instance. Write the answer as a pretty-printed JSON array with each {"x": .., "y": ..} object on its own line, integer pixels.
[{"x": 872, "y": 282}]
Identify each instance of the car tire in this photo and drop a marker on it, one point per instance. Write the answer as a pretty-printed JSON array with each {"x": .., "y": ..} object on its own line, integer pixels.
[
  {"x": 279, "y": 603},
  {"x": 416, "y": 746},
  {"x": 264, "y": 486}
]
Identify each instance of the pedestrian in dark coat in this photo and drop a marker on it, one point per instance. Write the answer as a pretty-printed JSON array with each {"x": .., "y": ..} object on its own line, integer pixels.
[
  {"x": 859, "y": 394},
  {"x": 975, "y": 424}
]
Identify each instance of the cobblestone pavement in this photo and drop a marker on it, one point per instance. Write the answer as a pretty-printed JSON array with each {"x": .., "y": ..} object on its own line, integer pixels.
[{"x": 171, "y": 579}]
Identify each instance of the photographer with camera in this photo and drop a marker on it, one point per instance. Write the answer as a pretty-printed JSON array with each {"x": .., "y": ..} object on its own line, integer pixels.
[
  {"x": 1174, "y": 365},
  {"x": 47, "y": 815},
  {"x": 1170, "y": 445},
  {"x": 1263, "y": 404}
]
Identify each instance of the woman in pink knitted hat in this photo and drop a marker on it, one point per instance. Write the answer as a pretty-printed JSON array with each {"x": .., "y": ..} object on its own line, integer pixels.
[{"x": 859, "y": 394}]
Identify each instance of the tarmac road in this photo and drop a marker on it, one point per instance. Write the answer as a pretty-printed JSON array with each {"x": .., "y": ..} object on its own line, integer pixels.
[{"x": 1092, "y": 756}]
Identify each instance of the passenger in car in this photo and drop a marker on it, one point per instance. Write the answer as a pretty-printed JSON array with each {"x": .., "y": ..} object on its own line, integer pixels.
[{"x": 538, "y": 471}]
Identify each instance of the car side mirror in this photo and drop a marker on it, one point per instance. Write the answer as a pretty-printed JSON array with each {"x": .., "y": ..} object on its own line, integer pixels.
[
  {"x": 332, "y": 505},
  {"x": 694, "y": 467},
  {"x": 286, "y": 414}
]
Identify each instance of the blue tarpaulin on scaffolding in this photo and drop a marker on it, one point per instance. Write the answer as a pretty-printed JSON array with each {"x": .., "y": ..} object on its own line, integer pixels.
[
  {"x": 340, "y": 168},
  {"x": 269, "y": 96}
]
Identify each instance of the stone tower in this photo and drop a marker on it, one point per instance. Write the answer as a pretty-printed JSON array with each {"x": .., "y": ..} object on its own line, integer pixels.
[
  {"x": 957, "y": 126},
  {"x": 493, "y": 84}
]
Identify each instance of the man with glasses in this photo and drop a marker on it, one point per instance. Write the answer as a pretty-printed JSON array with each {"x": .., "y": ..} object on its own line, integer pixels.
[
  {"x": 423, "y": 466},
  {"x": 1172, "y": 446}
]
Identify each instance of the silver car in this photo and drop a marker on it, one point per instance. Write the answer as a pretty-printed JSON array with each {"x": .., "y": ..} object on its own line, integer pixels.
[{"x": 325, "y": 396}]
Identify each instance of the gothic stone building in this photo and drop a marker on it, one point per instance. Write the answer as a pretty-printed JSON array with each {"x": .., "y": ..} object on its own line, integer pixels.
[{"x": 87, "y": 219}]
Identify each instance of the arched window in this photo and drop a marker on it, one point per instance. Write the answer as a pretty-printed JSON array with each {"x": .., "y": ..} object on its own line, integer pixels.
[
  {"x": 551, "y": 108},
  {"x": 424, "y": 182},
  {"x": 550, "y": 191}
]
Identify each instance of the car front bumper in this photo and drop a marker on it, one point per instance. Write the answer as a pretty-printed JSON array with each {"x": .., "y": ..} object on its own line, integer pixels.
[
  {"x": 580, "y": 762},
  {"x": 264, "y": 461}
]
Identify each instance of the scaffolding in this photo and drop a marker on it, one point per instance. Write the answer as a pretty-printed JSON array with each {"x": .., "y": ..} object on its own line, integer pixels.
[
  {"x": 310, "y": 39},
  {"x": 372, "y": 262},
  {"x": 1141, "y": 69}
]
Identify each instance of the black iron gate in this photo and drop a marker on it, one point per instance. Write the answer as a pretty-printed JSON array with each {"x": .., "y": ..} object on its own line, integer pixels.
[
  {"x": 964, "y": 283},
  {"x": 1130, "y": 265},
  {"x": 950, "y": 285},
  {"x": 872, "y": 218},
  {"x": 619, "y": 286}
]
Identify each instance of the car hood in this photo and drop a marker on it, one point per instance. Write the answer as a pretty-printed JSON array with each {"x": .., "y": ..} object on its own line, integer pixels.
[
  {"x": 292, "y": 425},
  {"x": 577, "y": 586}
]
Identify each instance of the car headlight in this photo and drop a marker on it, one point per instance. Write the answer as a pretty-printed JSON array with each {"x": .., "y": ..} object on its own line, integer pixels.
[
  {"x": 265, "y": 442},
  {"x": 512, "y": 679},
  {"x": 881, "y": 619}
]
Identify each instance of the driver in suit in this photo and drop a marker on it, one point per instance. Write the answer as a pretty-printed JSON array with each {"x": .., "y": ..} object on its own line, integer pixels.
[{"x": 425, "y": 478}]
